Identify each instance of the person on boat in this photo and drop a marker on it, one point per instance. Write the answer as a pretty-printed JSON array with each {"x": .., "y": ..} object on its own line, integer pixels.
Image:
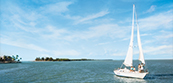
[
  {"x": 139, "y": 68},
  {"x": 131, "y": 69},
  {"x": 142, "y": 67},
  {"x": 134, "y": 68}
]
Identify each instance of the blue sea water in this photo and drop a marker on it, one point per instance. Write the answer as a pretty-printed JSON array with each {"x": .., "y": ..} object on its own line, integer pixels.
[{"x": 161, "y": 71}]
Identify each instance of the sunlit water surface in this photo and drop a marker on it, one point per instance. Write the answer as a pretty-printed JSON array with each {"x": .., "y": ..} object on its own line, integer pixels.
[{"x": 82, "y": 72}]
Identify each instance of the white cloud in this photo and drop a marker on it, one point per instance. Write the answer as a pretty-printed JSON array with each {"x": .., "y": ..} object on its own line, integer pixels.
[
  {"x": 53, "y": 32},
  {"x": 66, "y": 53},
  {"x": 161, "y": 20},
  {"x": 150, "y": 50},
  {"x": 56, "y": 8},
  {"x": 72, "y": 17},
  {"x": 164, "y": 49},
  {"x": 17, "y": 18},
  {"x": 165, "y": 36},
  {"x": 44, "y": 55},
  {"x": 22, "y": 45},
  {"x": 29, "y": 25},
  {"x": 148, "y": 41},
  {"x": 124, "y": 39},
  {"x": 145, "y": 34},
  {"x": 103, "y": 43},
  {"x": 152, "y": 8},
  {"x": 119, "y": 54},
  {"x": 91, "y": 17},
  {"x": 115, "y": 52},
  {"x": 28, "y": 20},
  {"x": 109, "y": 30}
]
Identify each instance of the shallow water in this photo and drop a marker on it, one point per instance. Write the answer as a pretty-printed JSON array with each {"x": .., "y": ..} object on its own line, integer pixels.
[{"x": 81, "y": 72}]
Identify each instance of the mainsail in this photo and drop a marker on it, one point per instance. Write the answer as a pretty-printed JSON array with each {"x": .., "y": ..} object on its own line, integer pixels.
[{"x": 129, "y": 57}]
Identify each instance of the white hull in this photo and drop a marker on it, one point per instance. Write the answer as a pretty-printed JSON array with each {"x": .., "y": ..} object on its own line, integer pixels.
[{"x": 127, "y": 73}]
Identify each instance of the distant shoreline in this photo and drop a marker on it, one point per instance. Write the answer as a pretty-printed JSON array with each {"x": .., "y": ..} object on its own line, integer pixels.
[
  {"x": 43, "y": 59},
  {"x": 6, "y": 62},
  {"x": 98, "y": 60},
  {"x": 77, "y": 60}
]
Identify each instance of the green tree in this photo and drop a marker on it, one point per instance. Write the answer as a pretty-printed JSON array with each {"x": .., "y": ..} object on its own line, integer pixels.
[
  {"x": 50, "y": 59},
  {"x": 42, "y": 58},
  {"x": 57, "y": 59},
  {"x": 9, "y": 58},
  {"x": 17, "y": 56},
  {"x": 37, "y": 59},
  {"x": 47, "y": 58},
  {"x": 13, "y": 58},
  {"x": 5, "y": 57}
]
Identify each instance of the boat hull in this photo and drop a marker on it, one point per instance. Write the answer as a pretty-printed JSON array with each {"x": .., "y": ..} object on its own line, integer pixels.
[{"x": 127, "y": 73}]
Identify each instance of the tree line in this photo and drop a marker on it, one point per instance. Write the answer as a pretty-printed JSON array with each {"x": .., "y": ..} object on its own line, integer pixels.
[
  {"x": 10, "y": 59},
  {"x": 59, "y": 59}
]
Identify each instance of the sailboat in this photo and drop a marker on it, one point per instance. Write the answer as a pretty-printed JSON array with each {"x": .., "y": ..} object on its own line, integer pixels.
[{"x": 128, "y": 62}]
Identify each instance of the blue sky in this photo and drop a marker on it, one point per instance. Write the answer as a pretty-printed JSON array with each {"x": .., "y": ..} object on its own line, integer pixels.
[{"x": 97, "y": 29}]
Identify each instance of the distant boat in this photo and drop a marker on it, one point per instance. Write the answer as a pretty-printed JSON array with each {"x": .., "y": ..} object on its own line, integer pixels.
[{"x": 128, "y": 62}]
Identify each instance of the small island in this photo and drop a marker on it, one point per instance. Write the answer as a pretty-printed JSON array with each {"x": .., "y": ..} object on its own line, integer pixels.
[
  {"x": 60, "y": 59},
  {"x": 10, "y": 59}
]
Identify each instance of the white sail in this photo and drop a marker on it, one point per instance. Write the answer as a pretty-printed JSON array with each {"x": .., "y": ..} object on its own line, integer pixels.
[
  {"x": 129, "y": 57},
  {"x": 141, "y": 56}
]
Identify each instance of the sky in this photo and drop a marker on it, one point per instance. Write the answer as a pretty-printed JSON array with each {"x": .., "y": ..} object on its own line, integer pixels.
[{"x": 93, "y": 29}]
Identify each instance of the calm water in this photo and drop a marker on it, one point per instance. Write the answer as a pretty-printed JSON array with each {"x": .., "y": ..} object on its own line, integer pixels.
[{"x": 81, "y": 72}]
